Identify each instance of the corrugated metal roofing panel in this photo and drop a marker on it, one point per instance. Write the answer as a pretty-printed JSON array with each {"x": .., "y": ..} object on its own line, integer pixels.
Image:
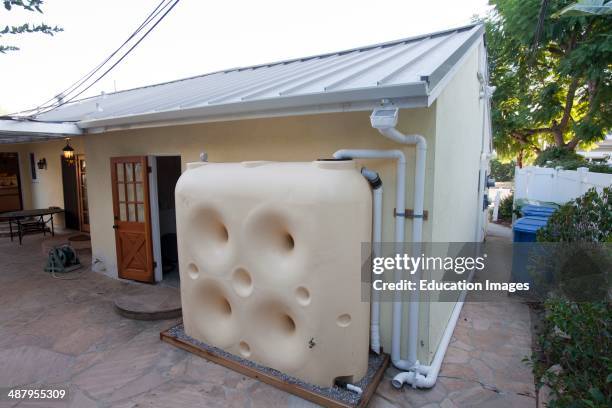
[{"x": 342, "y": 77}]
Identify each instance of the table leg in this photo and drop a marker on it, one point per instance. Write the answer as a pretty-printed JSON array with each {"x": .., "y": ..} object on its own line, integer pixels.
[
  {"x": 52, "y": 228},
  {"x": 19, "y": 231},
  {"x": 11, "y": 229},
  {"x": 44, "y": 225}
]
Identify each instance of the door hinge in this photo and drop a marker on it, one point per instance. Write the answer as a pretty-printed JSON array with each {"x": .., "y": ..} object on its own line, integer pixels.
[
  {"x": 154, "y": 264},
  {"x": 149, "y": 169}
]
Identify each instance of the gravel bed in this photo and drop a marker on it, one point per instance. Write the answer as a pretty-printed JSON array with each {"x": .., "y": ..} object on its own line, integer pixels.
[{"x": 338, "y": 394}]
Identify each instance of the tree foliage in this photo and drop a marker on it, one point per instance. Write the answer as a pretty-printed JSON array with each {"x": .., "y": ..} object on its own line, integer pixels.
[
  {"x": 553, "y": 77},
  {"x": 502, "y": 171},
  {"x": 29, "y": 5}
]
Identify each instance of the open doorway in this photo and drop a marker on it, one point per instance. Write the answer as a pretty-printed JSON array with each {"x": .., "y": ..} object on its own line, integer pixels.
[
  {"x": 165, "y": 172},
  {"x": 10, "y": 183}
]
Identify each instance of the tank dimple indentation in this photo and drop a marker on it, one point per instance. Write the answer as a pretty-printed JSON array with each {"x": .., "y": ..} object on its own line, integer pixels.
[
  {"x": 193, "y": 271},
  {"x": 242, "y": 282},
  {"x": 214, "y": 302},
  {"x": 303, "y": 296},
  {"x": 245, "y": 349},
  {"x": 210, "y": 227},
  {"x": 343, "y": 320}
]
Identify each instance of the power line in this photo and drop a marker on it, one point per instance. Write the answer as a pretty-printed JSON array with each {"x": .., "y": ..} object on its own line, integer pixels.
[
  {"x": 84, "y": 78},
  {"x": 45, "y": 107}
]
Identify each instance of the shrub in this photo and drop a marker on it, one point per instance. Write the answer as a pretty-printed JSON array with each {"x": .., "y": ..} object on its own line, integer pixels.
[
  {"x": 574, "y": 347},
  {"x": 557, "y": 154},
  {"x": 575, "y": 360},
  {"x": 502, "y": 171},
  {"x": 506, "y": 208},
  {"x": 587, "y": 218},
  {"x": 554, "y": 157}
]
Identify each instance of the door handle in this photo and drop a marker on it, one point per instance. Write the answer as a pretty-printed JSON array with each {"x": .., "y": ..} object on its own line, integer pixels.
[{"x": 115, "y": 226}]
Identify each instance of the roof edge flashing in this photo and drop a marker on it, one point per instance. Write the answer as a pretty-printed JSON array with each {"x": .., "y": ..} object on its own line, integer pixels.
[{"x": 411, "y": 96}]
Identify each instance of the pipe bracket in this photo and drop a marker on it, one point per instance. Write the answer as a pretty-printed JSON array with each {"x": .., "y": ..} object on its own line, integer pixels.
[{"x": 409, "y": 213}]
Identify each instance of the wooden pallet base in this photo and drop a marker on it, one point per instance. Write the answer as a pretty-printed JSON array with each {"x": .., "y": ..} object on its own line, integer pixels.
[{"x": 275, "y": 381}]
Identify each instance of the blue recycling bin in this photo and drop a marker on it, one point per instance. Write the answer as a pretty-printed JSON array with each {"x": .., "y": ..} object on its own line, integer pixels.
[
  {"x": 525, "y": 228},
  {"x": 537, "y": 210},
  {"x": 524, "y": 232}
]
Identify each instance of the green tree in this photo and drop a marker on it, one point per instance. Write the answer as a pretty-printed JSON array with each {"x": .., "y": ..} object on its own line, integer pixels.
[
  {"x": 29, "y": 5},
  {"x": 553, "y": 77}
]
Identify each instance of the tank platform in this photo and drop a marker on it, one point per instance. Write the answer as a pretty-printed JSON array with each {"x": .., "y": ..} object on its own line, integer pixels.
[{"x": 328, "y": 397}]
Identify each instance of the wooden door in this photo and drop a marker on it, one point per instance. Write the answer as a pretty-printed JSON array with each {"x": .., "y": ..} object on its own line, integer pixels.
[
  {"x": 81, "y": 166},
  {"x": 132, "y": 216}
]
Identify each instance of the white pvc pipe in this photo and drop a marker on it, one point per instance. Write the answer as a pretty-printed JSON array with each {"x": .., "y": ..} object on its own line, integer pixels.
[
  {"x": 426, "y": 376},
  {"x": 417, "y": 231},
  {"x": 400, "y": 158},
  {"x": 373, "y": 177},
  {"x": 417, "y": 237}
]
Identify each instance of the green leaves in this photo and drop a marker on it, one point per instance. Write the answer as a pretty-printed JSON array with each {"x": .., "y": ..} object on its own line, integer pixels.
[
  {"x": 558, "y": 93},
  {"x": 574, "y": 356},
  {"x": 29, "y": 5}
]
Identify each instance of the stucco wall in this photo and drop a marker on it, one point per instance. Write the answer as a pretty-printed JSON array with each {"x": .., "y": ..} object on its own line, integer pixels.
[
  {"x": 459, "y": 126},
  {"x": 455, "y": 120},
  {"x": 47, "y": 189},
  {"x": 302, "y": 138}
]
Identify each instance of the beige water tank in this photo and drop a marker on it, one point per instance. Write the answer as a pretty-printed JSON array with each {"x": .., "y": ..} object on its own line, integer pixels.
[{"x": 270, "y": 262}]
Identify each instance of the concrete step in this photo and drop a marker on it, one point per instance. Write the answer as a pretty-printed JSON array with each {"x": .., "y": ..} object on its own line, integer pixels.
[{"x": 149, "y": 302}]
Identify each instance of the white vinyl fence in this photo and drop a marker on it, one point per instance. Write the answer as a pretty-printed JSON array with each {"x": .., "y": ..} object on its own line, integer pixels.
[{"x": 557, "y": 186}]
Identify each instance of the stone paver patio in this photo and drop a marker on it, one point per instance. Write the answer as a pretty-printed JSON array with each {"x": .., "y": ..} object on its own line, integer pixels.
[{"x": 66, "y": 332}]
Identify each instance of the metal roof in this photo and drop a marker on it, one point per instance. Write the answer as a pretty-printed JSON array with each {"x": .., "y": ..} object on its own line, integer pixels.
[{"x": 408, "y": 71}]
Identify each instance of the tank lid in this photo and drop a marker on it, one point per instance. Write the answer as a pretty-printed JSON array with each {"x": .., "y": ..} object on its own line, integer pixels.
[{"x": 338, "y": 164}]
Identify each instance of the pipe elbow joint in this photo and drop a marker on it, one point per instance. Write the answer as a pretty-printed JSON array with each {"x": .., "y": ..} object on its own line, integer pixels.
[{"x": 413, "y": 378}]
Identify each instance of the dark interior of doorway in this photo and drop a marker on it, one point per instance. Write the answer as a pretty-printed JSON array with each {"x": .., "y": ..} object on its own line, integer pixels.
[
  {"x": 168, "y": 173},
  {"x": 10, "y": 183},
  {"x": 71, "y": 195}
]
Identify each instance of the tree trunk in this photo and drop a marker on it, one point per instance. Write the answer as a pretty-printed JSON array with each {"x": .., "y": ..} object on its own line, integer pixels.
[
  {"x": 558, "y": 135},
  {"x": 519, "y": 159}
]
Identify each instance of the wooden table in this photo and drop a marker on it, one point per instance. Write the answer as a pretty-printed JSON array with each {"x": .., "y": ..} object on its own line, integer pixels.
[{"x": 31, "y": 221}]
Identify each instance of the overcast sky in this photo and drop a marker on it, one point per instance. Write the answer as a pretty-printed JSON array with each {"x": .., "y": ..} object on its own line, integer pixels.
[{"x": 200, "y": 36}]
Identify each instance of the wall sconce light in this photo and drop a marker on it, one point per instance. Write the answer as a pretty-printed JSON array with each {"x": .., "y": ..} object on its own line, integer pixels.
[
  {"x": 68, "y": 152},
  {"x": 42, "y": 164}
]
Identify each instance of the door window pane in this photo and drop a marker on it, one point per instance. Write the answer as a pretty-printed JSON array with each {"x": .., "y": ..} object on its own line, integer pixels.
[
  {"x": 141, "y": 213},
  {"x": 122, "y": 213},
  {"x": 129, "y": 172},
  {"x": 121, "y": 190},
  {"x": 130, "y": 191},
  {"x": 131, "y": 212},
  {"x": 138, "y": 171},
  {"x": 139, "y": 192},
  {"x": 120, "y": 176}
]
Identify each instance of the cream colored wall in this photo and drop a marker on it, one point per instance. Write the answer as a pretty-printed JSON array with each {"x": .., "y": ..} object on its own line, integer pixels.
[
  {"x": 459, "y": 126},
  {"x": 452, "y": 126},
  {"x": 302, "y": 138},
  {"x": 47, "y": 189}
]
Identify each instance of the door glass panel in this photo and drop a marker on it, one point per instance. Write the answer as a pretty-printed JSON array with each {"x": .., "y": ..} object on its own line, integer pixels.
[
  {"x": 130, "y": 191},
  {"x": 122, "y": 213},
  {"x": 139, "y": 192},
  {"x": 138, "y": 171},
  {"x": 129, "y": 172},
  {"x": 121, "y": 189},
  {"x": 131, "y": 212},
  {"x": 120, "y": 177},
  {"x": 141, "y": 213}
]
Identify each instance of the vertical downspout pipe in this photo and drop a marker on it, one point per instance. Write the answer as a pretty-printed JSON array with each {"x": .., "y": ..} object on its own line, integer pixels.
[
  {"x": 400, "y": 202},
  {"x": 417, "y": 237},
  {"x": 377, "y": 191}
]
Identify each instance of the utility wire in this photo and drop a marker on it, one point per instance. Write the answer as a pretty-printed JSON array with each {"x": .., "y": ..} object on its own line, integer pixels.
[
  {"x": 84, "y": 78},
  {"x": 45, "y": 107}
]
